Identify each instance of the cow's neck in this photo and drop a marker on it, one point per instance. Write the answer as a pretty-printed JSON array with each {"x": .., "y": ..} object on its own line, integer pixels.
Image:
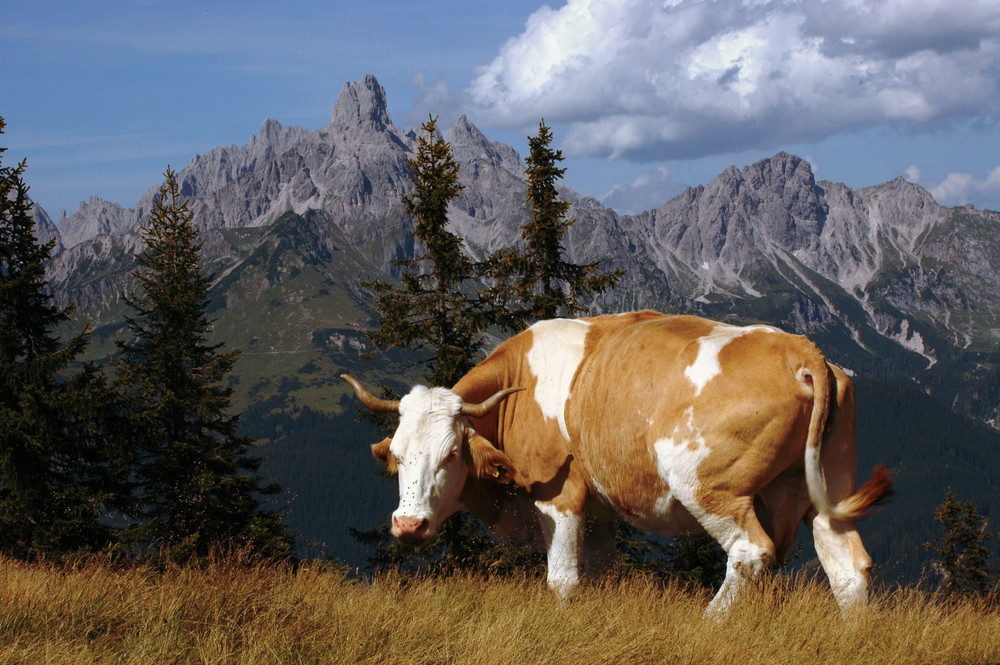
[
  {"x": 481, "y": 382},
  {"x": 505, "y": 513}
]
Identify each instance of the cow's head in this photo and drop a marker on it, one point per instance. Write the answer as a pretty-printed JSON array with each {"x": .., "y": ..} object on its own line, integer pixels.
[{"x": 434, "y": 451}]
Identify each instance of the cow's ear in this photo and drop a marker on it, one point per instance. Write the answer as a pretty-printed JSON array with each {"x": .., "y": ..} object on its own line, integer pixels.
[
  {"x": 486, "y": 461},
  {"x": 381, "y": 452}
]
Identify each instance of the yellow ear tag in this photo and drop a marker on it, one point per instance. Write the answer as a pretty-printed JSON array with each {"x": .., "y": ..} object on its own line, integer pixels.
[{"x": 496, "y": 472}]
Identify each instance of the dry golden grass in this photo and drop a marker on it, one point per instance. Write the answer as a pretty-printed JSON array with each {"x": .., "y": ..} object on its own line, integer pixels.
[{"x": 244, "y": 613}]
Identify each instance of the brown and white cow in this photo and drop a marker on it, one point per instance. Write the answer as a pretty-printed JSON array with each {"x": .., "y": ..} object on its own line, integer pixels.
[{"x": 676, "y": 423}]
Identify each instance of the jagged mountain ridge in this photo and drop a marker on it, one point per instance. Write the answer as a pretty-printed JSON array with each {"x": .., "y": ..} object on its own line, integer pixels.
[
  {"x": 890, "y": 249},
  {"x": 870, "y": 267}
]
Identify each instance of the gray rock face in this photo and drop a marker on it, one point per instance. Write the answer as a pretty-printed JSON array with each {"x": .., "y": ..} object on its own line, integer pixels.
[
  {"x": 884, "y": 262},
  {"x": 225, "y": 165},
  {"x": 45, "y": 230},
  {"x": 361, "y": 105},
  {"x": 93, "y": 218},
  {"x": 472, "y": 149},
  {"x": 743, "y": 215},
  {"x": 716, "y": 236}
]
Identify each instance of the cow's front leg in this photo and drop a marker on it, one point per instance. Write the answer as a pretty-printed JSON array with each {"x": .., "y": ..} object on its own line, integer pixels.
[{"x": 563, "y": 532}]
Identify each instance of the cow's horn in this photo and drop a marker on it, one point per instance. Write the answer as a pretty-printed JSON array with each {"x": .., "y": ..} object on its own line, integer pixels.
[
  {"x": 481, "y": 409},
  {"x": 369, "y": 400}
]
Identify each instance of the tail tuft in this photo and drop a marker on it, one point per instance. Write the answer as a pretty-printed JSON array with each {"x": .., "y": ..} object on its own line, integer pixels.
[{"x": 868, "y": 498}]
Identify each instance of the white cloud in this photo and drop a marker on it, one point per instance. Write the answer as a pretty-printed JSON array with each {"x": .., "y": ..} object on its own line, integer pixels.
[
  {"x": 433, "y": 99},
  {"x": 960, "y": 188},
  {"x": 912, "y": 173},
  {"x": 648, "y": 191},
  {"x": 649, "y": 79}
]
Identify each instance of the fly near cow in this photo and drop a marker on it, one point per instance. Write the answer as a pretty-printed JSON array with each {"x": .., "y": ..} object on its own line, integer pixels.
[{"x": 675, "y": 423}]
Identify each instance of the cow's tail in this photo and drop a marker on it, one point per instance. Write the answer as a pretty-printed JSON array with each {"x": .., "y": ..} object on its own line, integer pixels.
[{"x": 876, "y": 489}]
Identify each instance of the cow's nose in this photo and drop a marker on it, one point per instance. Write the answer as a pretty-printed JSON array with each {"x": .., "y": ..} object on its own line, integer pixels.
[{"x": 410, "y": 529}]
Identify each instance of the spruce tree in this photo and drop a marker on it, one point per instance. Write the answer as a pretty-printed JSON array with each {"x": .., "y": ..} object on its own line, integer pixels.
[
  {"x": 962, "y": 554},
  {"x": 536, "y": 282},
  {"x": 196, "y": 477},
  {"x": 431, "y": 309},
  {"x": 60, "y": 426},
  {"x": 435, "y": 310}
]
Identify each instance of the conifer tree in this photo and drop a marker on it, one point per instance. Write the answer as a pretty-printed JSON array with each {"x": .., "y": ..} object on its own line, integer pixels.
[
  {"x": 58, "y": 431},
  {"x": 429, "y": 310},
  {"x": 962, "y": 553},
  {"x": 196, "y": 477},
  {"x": 434, "y": 309},
  {"x": 536, "y": 282}
]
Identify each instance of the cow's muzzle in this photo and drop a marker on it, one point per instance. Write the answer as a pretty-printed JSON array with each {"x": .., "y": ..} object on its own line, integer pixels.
[{"x": 411, "y": 530}]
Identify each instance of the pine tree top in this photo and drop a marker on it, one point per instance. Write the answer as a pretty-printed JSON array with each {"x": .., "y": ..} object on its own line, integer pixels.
[
  {"x": 537, "y": 282},
  {"x": 429, "y": 308}
]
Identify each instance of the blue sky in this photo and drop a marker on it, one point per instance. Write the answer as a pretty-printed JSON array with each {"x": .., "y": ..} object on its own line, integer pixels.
[{"x": 645, "y": 96}]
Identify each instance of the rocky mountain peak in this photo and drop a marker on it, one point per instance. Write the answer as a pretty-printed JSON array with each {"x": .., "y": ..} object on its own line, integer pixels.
[
  {"x": 45, "y": 230},
  {"x": 903, "y": 210},
  {"x": 773, "y": 202},
  {"x": 270, "y": 131},
  {"x": 361, "y": 104},
  {"x": 92, "y": 218},
  {"x": 785, "y": 177},
  {"x": 463, "y": 134},
  {"x": 469, "y": 145},
  {"x": 792, "y": 208}
]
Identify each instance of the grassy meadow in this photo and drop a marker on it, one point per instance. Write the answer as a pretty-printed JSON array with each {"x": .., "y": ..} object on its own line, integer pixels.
[{"x": 239, "y": 612}]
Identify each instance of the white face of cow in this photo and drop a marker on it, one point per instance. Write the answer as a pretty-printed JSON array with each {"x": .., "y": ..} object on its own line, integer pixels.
[
  {"x": 434, "y": 451},
  {"x": 427, "y": 451}
]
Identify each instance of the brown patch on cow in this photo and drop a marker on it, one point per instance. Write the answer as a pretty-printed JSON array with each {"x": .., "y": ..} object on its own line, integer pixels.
[
  {"x": 549, "y": 490},
  {"x": 839, "y": 448},
  {"x": 381, "y": 452},
  {"x": 518, "y": 425}
]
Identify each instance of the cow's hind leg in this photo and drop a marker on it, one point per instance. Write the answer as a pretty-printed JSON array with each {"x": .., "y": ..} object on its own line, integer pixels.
[
  {"x": 843, "y": 556},
  {"x": 749, "y": 549}
]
